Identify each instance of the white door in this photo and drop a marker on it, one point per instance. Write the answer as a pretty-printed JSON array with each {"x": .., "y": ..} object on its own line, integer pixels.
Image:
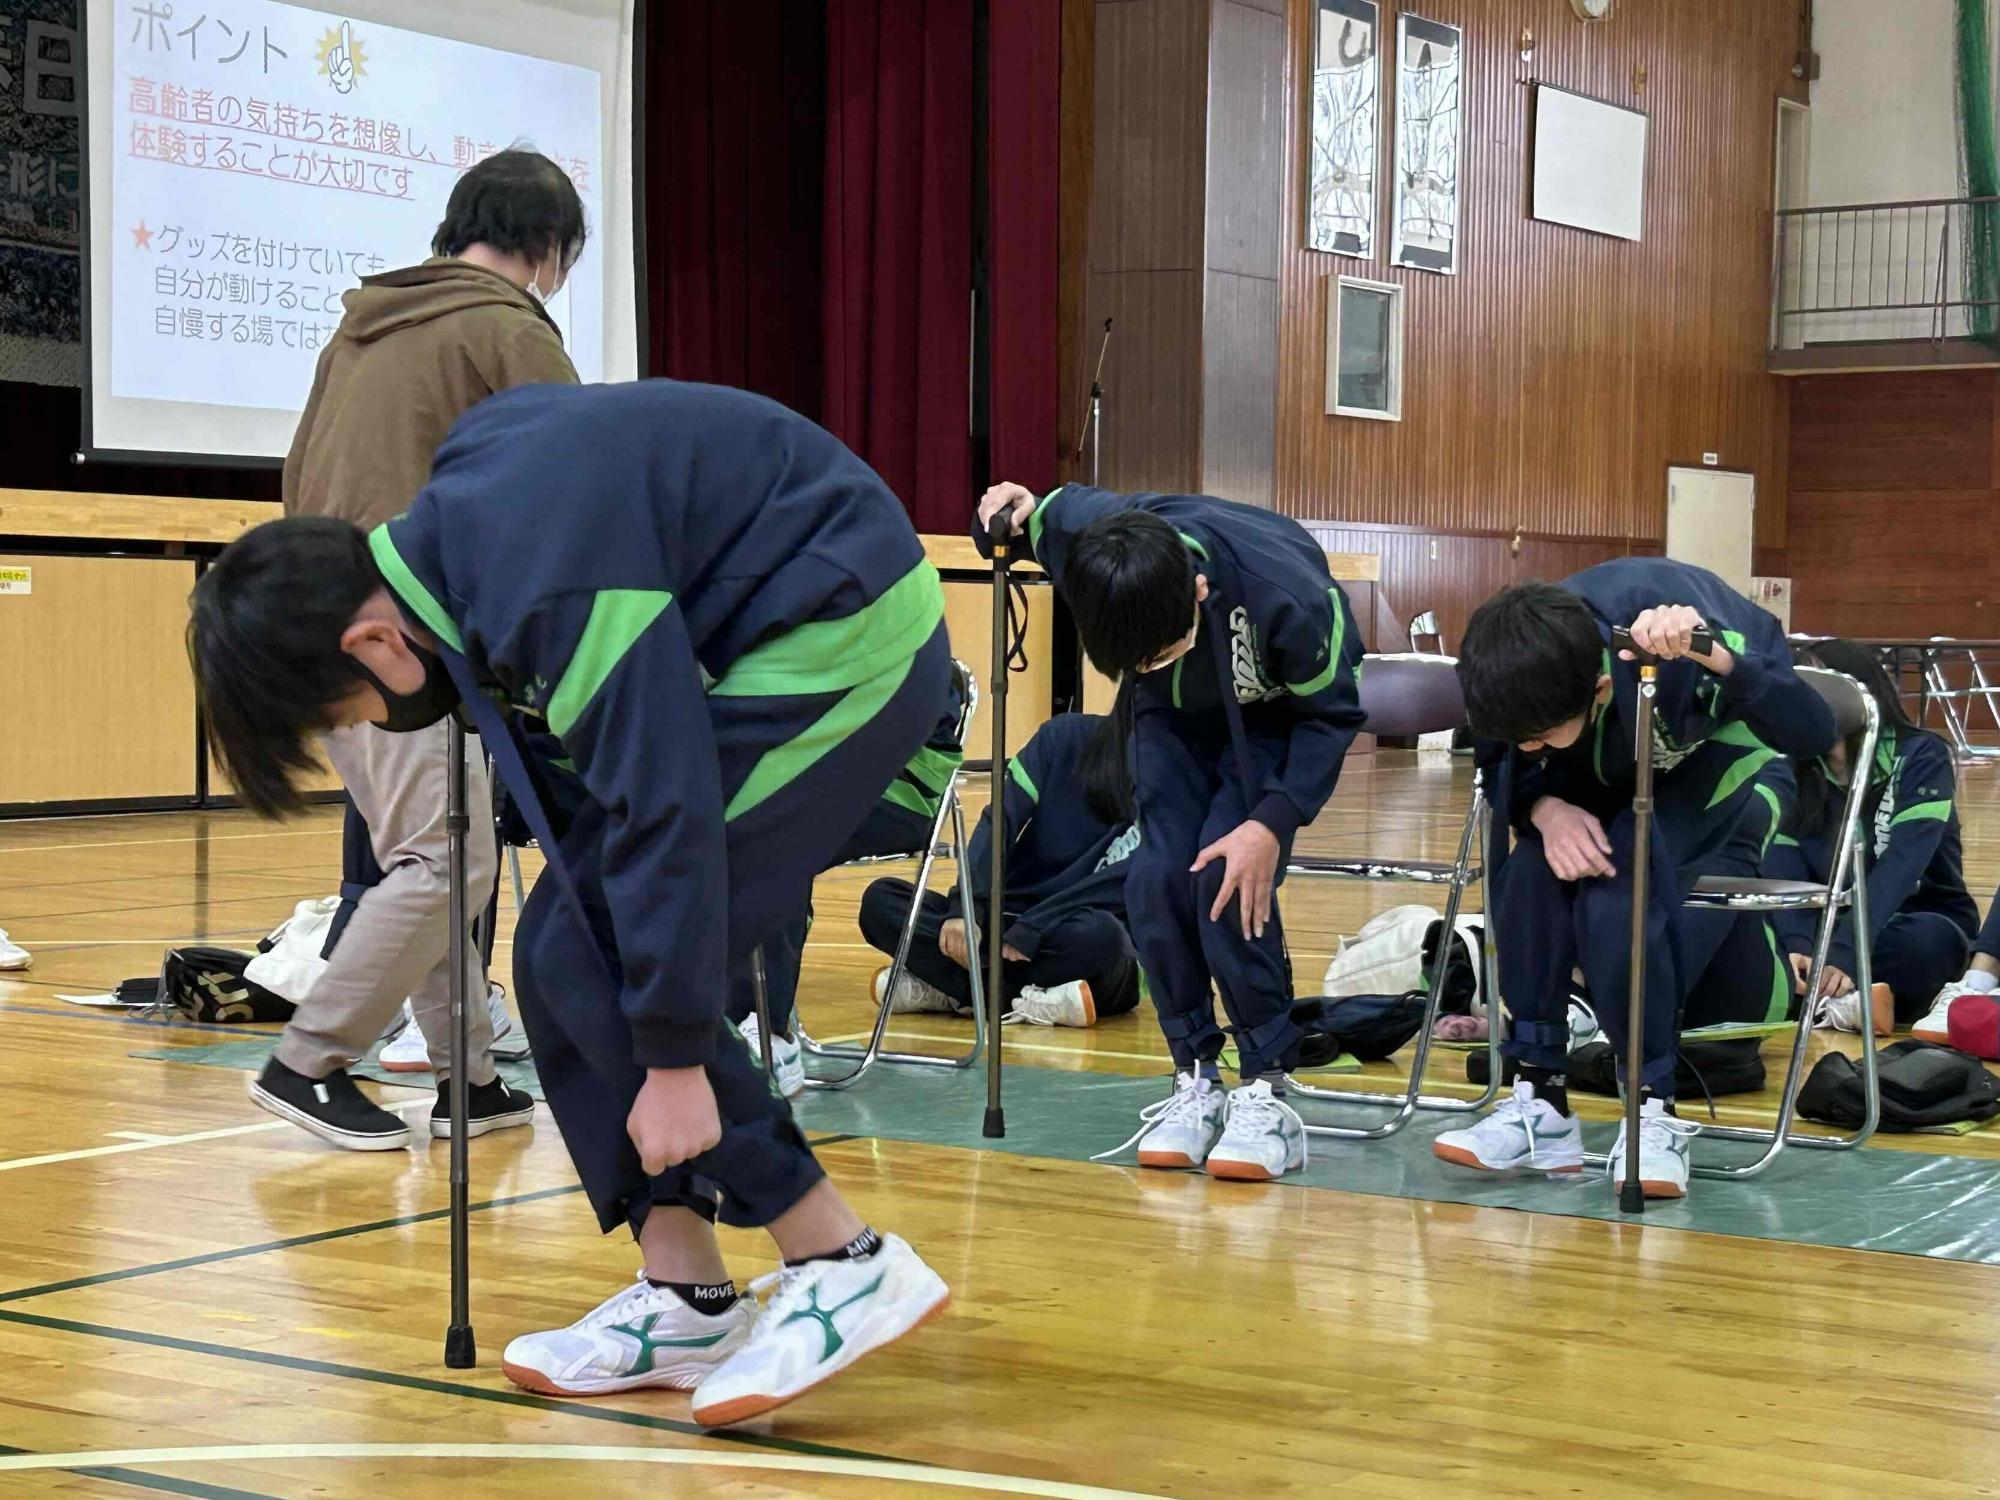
[{"x": 1711, "y": 519}]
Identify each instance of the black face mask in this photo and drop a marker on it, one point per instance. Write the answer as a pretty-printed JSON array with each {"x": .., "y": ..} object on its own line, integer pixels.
[{"x": 427, "y": 705}]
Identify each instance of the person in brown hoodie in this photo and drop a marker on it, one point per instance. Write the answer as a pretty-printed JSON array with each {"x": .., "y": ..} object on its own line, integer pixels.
[{"x": 415, "y": 350}]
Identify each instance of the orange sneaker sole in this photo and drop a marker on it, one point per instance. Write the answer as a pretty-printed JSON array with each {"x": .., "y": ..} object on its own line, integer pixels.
[
  {"x": 1089, "y": 1004},
  {"x": 1458, "y": 1156},
  {"x": 743, "y": 1408},
  {"x": 541, "y": 1385},
  {"x": 403, "y": 1067},
  {"x": 1882, "y": 1008},
  {"x": 1240, "y": 1171},
  {"x": 1170, "y": 1160}
]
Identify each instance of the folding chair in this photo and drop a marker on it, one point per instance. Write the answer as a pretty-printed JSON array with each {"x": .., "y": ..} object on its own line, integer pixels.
[
  {"x": 1854, "y": 711},
  {"x": 951, "y": 809},
  {"x": 1406, "y": 695},
  {"x": 1424, "y": 634}
]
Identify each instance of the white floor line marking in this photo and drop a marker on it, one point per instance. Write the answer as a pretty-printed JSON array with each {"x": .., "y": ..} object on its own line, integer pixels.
[
  {"x": 195, "y": 838},
  {"x": 153, "y": 1145},
  {"x": 691, "y": 1458},
  {"x": 146, "y": 1136}
]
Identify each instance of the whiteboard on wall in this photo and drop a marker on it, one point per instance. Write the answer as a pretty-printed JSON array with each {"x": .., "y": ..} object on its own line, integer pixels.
[{"x": 1590, "y": 164}]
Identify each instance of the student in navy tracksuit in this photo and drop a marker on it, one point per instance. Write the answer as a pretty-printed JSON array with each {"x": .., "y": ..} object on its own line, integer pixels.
[
  {"x": 1921, "y": 920},
  {"x": 900, "y": 822},
  {"x": 1235, "y": 653},
  {"x": 727, "y": 621},
  {"x": 1541, "y": 680},
  {"x": 1069, "y": 958}
]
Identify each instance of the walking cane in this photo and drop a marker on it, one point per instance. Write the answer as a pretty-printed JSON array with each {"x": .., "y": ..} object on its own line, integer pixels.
[
  {"x": 1001, "y": 531},
  {"x": 1632, "y": 1191},
  {"x": 762, "y": 996},
  {"x": 460, "y": 1351}
]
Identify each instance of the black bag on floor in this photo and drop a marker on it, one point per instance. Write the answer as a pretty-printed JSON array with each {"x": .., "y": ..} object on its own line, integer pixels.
[
  {"x": 1372, "y": 1027},
  {"x": 207, "y": 984},
  {"x": 1922, "y": 1084},
  {"x": 1704, "y": 1069}
]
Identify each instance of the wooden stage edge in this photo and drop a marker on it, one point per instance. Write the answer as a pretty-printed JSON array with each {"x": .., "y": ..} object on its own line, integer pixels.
[{"x": 90, "y": 517}]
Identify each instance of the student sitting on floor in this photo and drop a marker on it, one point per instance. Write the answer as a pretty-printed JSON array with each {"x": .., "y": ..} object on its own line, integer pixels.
[
  {"x": 1069, "y": 831},
  {"x": 1920, "y": 918},
  {"x": 1235, "y": 653},
  {"x": 1540, "y": 678}
]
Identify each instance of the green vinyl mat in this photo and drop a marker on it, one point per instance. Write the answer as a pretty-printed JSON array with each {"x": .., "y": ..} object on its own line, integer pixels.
[{"x": 1906, "y": 1202}]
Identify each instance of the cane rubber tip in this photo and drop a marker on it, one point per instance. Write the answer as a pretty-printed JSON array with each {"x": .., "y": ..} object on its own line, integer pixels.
[
  {"x": 1631, "y": 1198},
  {"x": 996, "y": 1124},
  {"x": 460, "y": 1352}
]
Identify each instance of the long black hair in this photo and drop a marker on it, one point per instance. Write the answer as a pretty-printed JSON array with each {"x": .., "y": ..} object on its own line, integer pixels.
[
  {"x": 1820, "y": 797},
  {"x": 1106, "y": 764}
]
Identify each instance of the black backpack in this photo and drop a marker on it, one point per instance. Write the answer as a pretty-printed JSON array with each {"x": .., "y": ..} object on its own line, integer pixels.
[
  {"x": 1703, "y": 1068},
  {"x": 1372, "y": 1027},
  {"x": 207, "y": 984},
  {"x": 1922, "y": 1084}
]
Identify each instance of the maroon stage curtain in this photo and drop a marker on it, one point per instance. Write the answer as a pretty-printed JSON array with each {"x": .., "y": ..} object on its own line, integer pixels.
[
  {"x": 1025, "y": 64},
  {"x": 898, "y": 261},
  {"x": 735, "y": 108}
]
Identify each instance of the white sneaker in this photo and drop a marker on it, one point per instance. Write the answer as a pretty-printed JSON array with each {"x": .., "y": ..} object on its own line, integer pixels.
[
  {"x": 510, "y": 1037},
  {"x": 643, "y": 1336},
  {"x": 12, "y": 955},
  {"x": 1583, "y": 1027},
  {"x": 821, "y": 1317},
  {"x": 1181, "y": 1129},
  {"x": 1936, "y": 1024},
  {"x": 1523, "y": 1131},
  {"x": 916, "y": 998},
  {"x": 1843, "y": 1012},
  {"x": 1262, "y": 1139},
  {"x": 787, "y": 1059},
  {"x": 1065, "y": 1005},
  {"x": 1663, "y": 1152},
  {"x": 408, "y": 1051}
]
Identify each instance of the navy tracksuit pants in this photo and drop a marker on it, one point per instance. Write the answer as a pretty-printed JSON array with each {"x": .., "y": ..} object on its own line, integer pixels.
[
  {"x": 1918, "y": 953},
  {"x": 566, "y": 968},
  {"x": 888, "y": 829},
  {"x": 1546, "y": 927},
  {"x": 1190, "y": 793}
]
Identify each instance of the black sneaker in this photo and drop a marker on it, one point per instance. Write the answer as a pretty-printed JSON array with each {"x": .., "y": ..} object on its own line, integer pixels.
[
  {"x": 332, "y": 1108},
  {"x": 488, "y": 1106}
]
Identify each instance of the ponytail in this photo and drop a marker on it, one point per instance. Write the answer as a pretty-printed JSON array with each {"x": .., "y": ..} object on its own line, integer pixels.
[{"x": 1106, "y": 765}]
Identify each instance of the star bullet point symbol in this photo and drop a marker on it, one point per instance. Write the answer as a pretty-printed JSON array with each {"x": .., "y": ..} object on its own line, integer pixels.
[{"x": 142, "y": 237}]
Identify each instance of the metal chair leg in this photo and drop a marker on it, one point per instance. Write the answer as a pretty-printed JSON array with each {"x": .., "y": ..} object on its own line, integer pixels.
[
  {"x": 875, "y": 1051},
  {"x": 514, "y": 869},
  {"x": 1412, "y": 1099}
]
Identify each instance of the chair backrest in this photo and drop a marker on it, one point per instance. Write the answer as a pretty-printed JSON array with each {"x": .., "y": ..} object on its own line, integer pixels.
[
  {"x": 1853, "y": 709},
  {"x": 1424, "y": 633},
  {"x": 1410, "y": 693},
  {"x": 968, "y": 700}
]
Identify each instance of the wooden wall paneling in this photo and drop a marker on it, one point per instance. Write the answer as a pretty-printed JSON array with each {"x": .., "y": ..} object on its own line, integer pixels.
[
  {"x": 1920, "y": 430},
  {"x": 1551, "y": 381},
  {"x": 102, "y": 699},
  {"x": 1895, "y": 563}
]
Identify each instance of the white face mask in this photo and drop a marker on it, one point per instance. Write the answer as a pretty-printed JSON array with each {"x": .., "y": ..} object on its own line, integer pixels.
[{"x": 534, "y": 288}]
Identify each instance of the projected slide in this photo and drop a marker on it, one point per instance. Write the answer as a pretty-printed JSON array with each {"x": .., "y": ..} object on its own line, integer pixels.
[{"x": 264, "y": 158}]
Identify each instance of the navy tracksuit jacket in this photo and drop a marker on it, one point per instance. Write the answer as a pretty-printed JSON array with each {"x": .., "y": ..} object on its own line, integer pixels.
[
  {"x": 727, "y": 621},
  {"x": 1920, "y": 918},
  {"x": 1253, "y": 723},
  {"x": 1713, "y": 735}
]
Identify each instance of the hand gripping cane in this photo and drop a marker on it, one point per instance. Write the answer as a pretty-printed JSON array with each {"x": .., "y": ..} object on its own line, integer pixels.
[{"x": 1632, "y": 1191}]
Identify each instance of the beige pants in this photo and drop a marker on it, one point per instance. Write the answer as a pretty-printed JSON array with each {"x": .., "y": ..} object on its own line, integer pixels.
[{"x": 396, "y": 943}]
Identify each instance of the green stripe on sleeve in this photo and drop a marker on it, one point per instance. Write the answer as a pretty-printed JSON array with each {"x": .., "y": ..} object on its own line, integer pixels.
[
  {"x": 1038, "y": 517},
  {"x": 902, "y": 794},
  {"x": 1777, "y": 815},
  {"x": 1933, "y": 811},
  {"x": 1746, "y": 765},
  {"x": 410, "y": 589},
  {"x": 780, "y": 766},
  {"x": 618, "y": 617},
  {"x": 1023, "y": 780},
  {"x": 1333, "y": 647},
  {"x": 934, "y": 768},
  {"x": 831, "y": 656}
]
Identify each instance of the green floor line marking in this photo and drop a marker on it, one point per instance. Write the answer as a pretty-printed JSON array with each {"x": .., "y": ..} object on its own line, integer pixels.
[
  {"x": 439, "y": 1387},
  {"x": 160, "y": 1483},
  {"x": 296, "y": 1241},
  {"x": 319, "y": 1237}
]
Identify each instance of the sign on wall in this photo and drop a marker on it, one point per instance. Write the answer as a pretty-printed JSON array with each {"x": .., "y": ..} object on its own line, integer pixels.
[{"x": 40, "y": 186}]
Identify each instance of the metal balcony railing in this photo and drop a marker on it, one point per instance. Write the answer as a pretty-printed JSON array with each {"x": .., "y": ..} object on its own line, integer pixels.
[{"x": 1879, "y": 273}]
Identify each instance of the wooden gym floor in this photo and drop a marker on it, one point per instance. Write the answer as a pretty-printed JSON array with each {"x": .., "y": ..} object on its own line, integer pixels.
[{"x": 198, "y": 1300}]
